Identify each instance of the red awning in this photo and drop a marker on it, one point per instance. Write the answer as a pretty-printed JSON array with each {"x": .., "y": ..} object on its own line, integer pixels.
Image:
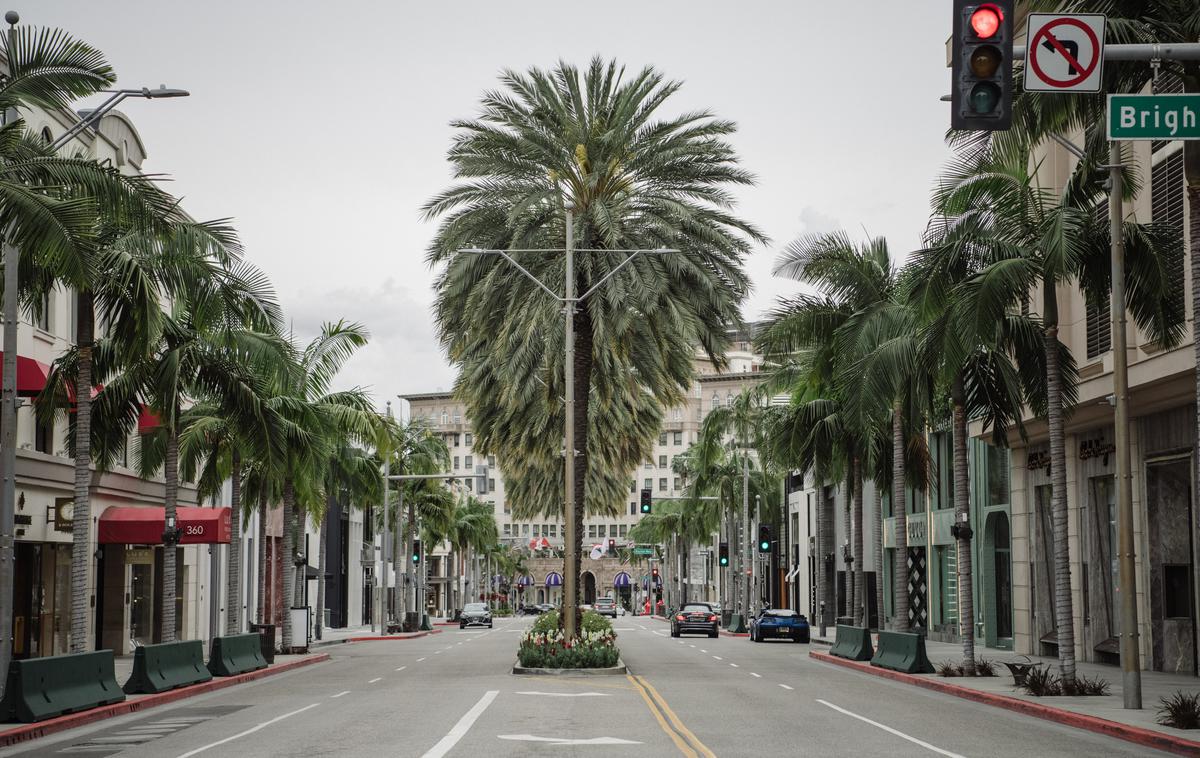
[
  {"x": 148, "y": 420},
  {"x": 136, "y": 525},
  {"x": 31, "y": 375}
]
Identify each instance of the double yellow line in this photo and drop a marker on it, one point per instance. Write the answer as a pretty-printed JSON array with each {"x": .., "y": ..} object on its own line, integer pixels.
[{"x": 688, "y": 743}]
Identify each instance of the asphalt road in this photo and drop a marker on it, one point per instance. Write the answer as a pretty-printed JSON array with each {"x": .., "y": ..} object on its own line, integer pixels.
[{"x": 453, "y": 694}]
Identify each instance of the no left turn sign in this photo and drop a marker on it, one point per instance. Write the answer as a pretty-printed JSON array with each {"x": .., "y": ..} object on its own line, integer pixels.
[{"x": 1064, "y": 53}]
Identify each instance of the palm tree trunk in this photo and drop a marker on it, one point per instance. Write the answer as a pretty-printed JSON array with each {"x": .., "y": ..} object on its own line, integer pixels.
[
  {"x": 966, "y": 600},
  {"x": 848, "y": 555},
  {"x": 262, "y": 560},
  {"x": 747, "y": 558},
  {"x": 583, "y": 386},
  {"x": 899, "y": 511},
  {"x": 410, "y": 577},
  {"x": 81, "y": 549},
  {"x": 289, "y": 564},
  {"x": 233, "y": 576},
  {"x": 1063, "y": 609},
  {"x": 860, "y": 578},
  {"x": 171, "y": 474},
  {"x": 319, "y": 622},
  {"x": 878, "y": 557}
]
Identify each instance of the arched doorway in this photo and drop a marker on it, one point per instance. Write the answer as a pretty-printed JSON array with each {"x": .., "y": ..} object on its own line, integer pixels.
[
  {"x": 589, "y": 588},
  {"x": 997, "y": 545},
  {"x": 623, "y": 584},
  {"x": 553, "y": 587}
]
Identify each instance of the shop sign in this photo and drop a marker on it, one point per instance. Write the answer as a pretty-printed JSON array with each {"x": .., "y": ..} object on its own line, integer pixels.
[
  {"x": 140, "y": 555},
  {"x": 64, "y": 514},
  {"x": 1096, "y": 448}
]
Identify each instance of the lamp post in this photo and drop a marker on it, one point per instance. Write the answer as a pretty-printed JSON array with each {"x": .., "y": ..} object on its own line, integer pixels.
[
  {"x": 8, "y": 387},
  {"x": 570, "y": 302}
]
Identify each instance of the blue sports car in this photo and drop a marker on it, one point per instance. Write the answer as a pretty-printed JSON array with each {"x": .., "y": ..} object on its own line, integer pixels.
[{"x": 779, "y": 623}]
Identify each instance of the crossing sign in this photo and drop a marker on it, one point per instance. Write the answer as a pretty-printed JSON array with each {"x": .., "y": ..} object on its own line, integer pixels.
[{"x": 1065, "y": 53}]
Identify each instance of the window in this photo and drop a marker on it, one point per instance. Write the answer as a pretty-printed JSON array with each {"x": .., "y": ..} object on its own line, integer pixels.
[
  {"x": 662, "y": 438},
  {"x": 537, "y": 530},
  {"x": 457, "y": 416},
  {"x": 649, "y": 484},
  {"x": 677, "y": 483},
  {"x": 1098, "y": 318},
  {"x": 525, "y": 530},
  {"x": 632, "y": 508},
  {"x": 624, "y": 529},
  {"x": 600, "y": 531},
  {"x": 456, "y": 463},
  {"x": 678, "y": 438},
  {"x": 662, "y": 484},
  {"x": 445, "y": 417},
  {"x": 591, "y": 531},
  {"x": 470, "y": 483},
  {"x": 677, "y": 416},
  {"x": 469, "y": 461},
  {"x": 554, "y": 530},
  {"x": 468, "y": 439},
  {"x": 633, "y": 486},
  {"x": 1166, "y": 206},
  {"x": 41, "y": 319},
  {"x": 716, "y": 401},
  {"x": 507, "y": 507},
  {"x": 662, "y": 461},
  {"x": 457, "y": 439},
  {"x": 649, "y": 464},
  {"x": 508, "y": 530},
  {"x": 491, "y": 460},
  {"x": 491, "y": 485},
  {"x": 728, "y": 399},
  {"x": 47, "y": 136},
  {"x": 43, "y": 437}
]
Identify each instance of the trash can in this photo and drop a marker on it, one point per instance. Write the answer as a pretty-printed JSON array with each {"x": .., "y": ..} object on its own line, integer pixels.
[
  {"x": 266, "y": 638},
  {"x": 412, "y": 621}
]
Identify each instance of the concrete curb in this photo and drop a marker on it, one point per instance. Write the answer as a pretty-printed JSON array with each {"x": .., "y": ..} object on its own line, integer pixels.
[
  {"x": 27, "y": 732},
  {"x": 1127, "y": 732},
  {"x": 392, "y": 637},
  {"x": 734, "y": 634},
  {"x": 618, "y": 670}
]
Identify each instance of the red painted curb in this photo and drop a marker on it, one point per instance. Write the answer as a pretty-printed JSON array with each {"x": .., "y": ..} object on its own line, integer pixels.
[
  {"x": 1134, "y": 734},
  {"x": 27, "y": 732},
  {"x": 376, "y": 638},
  {"x": 734, "y": 634}
]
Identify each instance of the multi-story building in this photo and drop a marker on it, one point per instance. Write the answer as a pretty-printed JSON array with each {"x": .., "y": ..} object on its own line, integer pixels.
[{"x": 446, "y": 416}]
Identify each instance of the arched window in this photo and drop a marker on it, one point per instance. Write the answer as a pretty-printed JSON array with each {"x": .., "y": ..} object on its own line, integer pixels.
[
  {"x": 728, "y": 399},
  {"x": 445, "y": 417},
  {"x": 716, "y": 401},
  {"x": 47, "y": 135}
]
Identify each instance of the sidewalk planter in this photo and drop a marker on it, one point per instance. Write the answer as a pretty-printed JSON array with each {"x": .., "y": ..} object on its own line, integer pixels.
[
  {"x": 618, "y": 670},
  {"x": 236, "y": 654},
  {"x": 901, "y": 651},
  {"x": 41, "y": 688},
  {"x": 853, "y": 643},
  {"x": 159, "y": 668}
]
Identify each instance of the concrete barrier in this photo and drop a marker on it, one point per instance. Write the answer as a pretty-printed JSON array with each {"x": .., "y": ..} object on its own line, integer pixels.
[
  {"x": 236, "y": 654},
  {"x": 852, "y": 643},
  {"x": 163, "y": 667},
  {"x": 41, "y": 688},
  {"x": 902, "y": 651}
]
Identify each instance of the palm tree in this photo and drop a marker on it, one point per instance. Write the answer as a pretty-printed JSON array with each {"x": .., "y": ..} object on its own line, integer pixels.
[
  {"x": 472, "y": 523},
  {"x": 1049, "y": 239},
  {"x": 586, "y": 140}
]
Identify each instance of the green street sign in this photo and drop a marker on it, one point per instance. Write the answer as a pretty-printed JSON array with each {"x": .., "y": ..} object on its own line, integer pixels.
[
  {"x": 1154, "y": 117},
  {"x": 639, "y": 550}
]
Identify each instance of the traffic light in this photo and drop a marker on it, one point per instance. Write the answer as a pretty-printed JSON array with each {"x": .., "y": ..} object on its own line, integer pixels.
[
  {"x": 982, "y": 62},
  {"x": 764, "y": 538},
  {"x": 723, "y": 554},
  {"x": 654, "y": 573},
  {"x": 416, "y": 553},
  {"x": 612, "y": 547},
  {"x": 646, "y": 501}
]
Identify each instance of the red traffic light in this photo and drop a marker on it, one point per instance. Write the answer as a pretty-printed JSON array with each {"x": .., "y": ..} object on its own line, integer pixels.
[{"x": 985, "y": 21}]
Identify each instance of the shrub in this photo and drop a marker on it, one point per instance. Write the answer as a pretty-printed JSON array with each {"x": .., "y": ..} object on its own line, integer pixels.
[
  {"x": 1086, "y": 686},
  {"x": 593, "y": 649},
  {"x": 1041, "y": 682},
  {"x": 984, "y": 667},
  {"x": 545, "y": 623},
  {"x": 594, "y": 622},
  {"x": 1181, "y": 710},
  {"x": 948, "y": 668}
]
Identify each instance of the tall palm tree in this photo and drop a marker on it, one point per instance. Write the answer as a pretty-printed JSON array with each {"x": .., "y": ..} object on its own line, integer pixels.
[
  {"x": 1052, "y": 238},
  {"x": 589, "y": 140},
  {"x": 472, "y": 523}
]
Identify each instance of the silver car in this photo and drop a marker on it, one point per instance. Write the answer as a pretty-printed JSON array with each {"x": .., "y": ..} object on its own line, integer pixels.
[{"x": 606, "y": 606}]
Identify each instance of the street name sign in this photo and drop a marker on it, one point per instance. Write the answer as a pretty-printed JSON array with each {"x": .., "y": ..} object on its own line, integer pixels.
[
  {"x": 643, "y": 551},
  {"x": 1154, "y": 117},
  {"x": 1065, "y": 52}
]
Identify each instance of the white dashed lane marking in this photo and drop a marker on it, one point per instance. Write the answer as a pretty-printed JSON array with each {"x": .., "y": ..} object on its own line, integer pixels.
[{"x": 787, "y": 687}]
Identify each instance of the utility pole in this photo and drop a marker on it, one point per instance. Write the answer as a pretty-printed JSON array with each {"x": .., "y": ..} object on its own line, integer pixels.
[
  {"x": 570, "y": 538},
  {"x": 747, "y": 566},
  {"x": 383, "y": 538},
  {"x": 1131, "y": 669},
  {"x": 8, "y": 433}
]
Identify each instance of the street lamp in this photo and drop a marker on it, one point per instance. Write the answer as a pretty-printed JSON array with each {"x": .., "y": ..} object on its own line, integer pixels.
[
  {"x": 570, "y": 302},
  {"x": 8, "y": 387}
]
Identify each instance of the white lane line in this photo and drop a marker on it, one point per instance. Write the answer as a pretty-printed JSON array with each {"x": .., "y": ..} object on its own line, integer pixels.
[
  {"x": 659, "y": 633},
  {"x": 251, "y": 730},
  {"x": 691, "y": 646},
  {"x": 458, "y": 730},
  {"x": 343, "y": 692},
  {"x": 702, "y": 650},
  {"x": 402, "y": 668},
  {"x": 719, "y": 658},
  {"x": 376, "y": 679},
  {"x": 420, "y": 659},
  {"x": 437, "y": 652},
  {"x": 735, "y": 665},
  {"x": 756, "y": 676},
  {"x": 890, "y": 730},
  {"x": 787, "y": 687},
  {"x": 563, "y": 694}
]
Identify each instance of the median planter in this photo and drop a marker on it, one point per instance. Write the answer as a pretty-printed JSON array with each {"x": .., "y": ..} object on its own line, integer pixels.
[
  {"x": 544, "y": 649},
  {"x": 617, "y": 670}
]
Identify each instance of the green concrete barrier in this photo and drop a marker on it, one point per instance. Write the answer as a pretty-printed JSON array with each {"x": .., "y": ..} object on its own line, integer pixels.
[
  {"x": 853, "y": 643},
  {"x": 167, "y": 666},
  {"x": 426, "y": 626},
  {"x": 41, "y": 688},
  {"x": 737, "y": 624},
  {"x": 902, "y": 651},
  {"x": 236, "y": 654}
]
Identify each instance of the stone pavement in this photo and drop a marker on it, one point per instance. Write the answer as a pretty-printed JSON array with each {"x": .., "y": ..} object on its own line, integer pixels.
[{"x": 1155, "y": 685}]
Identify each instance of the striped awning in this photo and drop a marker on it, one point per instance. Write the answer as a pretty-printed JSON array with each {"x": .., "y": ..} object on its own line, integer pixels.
[
  {"x": 554, "y": 579},
  {"x": 622, "y": 580},
  {"x": 525, "y": 581}
]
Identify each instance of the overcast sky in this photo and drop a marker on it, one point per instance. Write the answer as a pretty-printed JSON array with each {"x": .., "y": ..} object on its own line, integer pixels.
[{"x": 322, "y": 127}]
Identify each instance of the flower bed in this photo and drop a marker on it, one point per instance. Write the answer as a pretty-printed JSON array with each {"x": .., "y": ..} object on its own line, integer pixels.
[{"x": 544, "y": 646}]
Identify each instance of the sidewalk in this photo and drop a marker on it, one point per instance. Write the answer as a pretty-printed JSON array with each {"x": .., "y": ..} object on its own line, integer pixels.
[
  {"x": 1104, "y": 714},
  {"x": 14, "y": 733},
  {"x": 362, "y": 634}
]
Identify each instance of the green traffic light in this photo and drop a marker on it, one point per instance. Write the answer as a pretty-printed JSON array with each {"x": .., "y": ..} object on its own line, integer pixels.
[
  {"x": 764, "y": 546},
  {"x": 985, "y": 96}
]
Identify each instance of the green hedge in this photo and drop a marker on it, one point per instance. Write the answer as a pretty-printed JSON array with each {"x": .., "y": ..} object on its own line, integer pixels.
[{"x": 543, "y": 646}]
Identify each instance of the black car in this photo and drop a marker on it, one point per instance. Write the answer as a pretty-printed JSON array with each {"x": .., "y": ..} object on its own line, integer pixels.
[
  {"x": 694, "y": 618},
  {"x": 475, "y": 614}
]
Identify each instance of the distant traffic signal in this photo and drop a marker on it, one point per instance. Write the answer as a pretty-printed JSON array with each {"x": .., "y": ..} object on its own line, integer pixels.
[
  {"x": 981, "y": 64},
  {"x": 646, "y": 494},
  {"x": 764, "y": 538},
  {"x": 612, "y": 547},
  {"x": 723, "y": 554},
  {"x": 654, "y": 573},
  {"x": 416, "y": 553}
]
